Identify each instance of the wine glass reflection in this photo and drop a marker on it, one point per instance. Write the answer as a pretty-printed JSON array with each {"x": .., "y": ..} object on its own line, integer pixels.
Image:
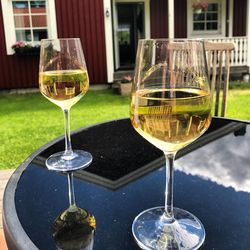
[{"x": 74, "y": 230}]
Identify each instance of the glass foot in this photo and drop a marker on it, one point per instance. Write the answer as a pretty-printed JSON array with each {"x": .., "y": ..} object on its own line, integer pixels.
[
  {"x": 79, "y": 159},
  {"x": 152, "y": 230},
  {"x": 74, "y": 229}
]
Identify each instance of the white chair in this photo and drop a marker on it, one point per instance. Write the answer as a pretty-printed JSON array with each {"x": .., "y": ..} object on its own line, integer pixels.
[{"x": 218, "y": 59}]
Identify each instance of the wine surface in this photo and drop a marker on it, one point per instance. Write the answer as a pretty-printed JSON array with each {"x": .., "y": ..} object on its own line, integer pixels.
[
  {"x": 170, "y": 119},
  {"x": 64, "y": 87}
]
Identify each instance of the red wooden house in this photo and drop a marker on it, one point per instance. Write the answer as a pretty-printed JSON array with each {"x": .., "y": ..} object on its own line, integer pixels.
[{"x": 110, "y": 29}]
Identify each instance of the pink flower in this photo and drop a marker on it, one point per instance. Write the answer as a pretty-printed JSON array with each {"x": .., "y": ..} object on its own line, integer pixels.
[
  {"x": 18, "y": 44},
  {"x": 204, "y": 5},
  {"x": 127, "y": 78},
  {"x": 200, "y": 4}
]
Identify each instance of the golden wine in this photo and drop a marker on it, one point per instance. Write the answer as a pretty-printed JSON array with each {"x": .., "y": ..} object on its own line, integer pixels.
[
  {"x": 170, "y": 119},
  {"x": 64, "y": 87},
  {"x": 74, "y": 229}
]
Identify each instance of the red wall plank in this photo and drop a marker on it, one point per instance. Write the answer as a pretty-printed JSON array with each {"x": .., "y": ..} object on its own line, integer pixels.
[
  {"x": 159, "y": 18},
  {"x": 180, "y": 18},
  {"x": 159, "y": 21},
  {"x": 239, "y": 17},
  {"x": 84, "y": 19}
]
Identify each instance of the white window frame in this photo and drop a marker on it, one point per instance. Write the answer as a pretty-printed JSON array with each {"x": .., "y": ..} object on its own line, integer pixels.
[
  {"x": 221, "y": 30},
  {"x": 9, "y": 25}
]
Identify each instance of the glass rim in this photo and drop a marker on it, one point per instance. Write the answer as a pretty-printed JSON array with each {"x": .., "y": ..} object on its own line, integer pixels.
[
  {"x": 173, "y": 39},
  {"x": 59, "y": 39}
]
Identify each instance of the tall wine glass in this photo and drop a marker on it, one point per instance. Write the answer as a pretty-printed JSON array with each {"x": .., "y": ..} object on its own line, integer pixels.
[
  {"x": 170, "y": 107},
  {"x": 63, "y": 79}
]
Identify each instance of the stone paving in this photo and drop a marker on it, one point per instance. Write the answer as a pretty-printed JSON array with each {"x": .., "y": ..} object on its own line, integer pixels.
[{"x": 4, "y": 177}]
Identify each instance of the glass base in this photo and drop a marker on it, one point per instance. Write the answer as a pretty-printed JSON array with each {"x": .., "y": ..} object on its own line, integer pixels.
[
  {"x": 74, "y": 228},
  {"x": 152, "y": 230},
  {"x": 79, "y": 159}
]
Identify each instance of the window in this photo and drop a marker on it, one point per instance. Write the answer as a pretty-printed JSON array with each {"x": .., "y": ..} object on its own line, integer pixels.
[
  {"x": 123, "y": 34},
  {"x": 206, "y": 19},
  {"x": 28, "y": 21},
  {"x": 209, "y": 21}
]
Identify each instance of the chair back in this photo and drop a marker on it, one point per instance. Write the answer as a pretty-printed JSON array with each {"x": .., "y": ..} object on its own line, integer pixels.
[{"x": 218, "y": 60}]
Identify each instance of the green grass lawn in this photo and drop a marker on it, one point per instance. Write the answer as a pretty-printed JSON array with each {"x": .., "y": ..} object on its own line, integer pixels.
[
  {"x": 238, "y": 104},
  {"x": 28, "y": 121}
]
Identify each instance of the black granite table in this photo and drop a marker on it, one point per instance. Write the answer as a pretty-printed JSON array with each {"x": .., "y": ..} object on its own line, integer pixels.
[{"x": 212, "y": 180}]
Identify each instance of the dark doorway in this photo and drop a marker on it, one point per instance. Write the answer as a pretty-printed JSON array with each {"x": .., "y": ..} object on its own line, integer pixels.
[{"x": 130, "y": 29}]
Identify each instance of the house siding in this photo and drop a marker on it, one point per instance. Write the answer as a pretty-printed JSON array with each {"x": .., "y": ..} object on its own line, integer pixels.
[
  {"x": 159, "y": 18},
  {"x": 180, "y": 18},
  {"x": 85, "y": 19},
  {"x": 239, "y": 17},
  {"x": 75, "y": 18}
]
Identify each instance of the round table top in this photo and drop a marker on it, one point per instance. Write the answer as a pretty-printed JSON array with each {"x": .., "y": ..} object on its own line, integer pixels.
[{"x": 212, "y": 181}]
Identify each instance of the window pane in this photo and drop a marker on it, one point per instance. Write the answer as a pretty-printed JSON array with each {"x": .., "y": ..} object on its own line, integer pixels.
[
  {"x": 20, "y": 7},
  {"x": 124, "y": 34},
  {"x": 199, "y": 17},
  {"x": 199, "y": 26},
  {"x": 212, "y": 26},
  {"x": 39, "y": 21},
  {"x": 212, "y": 16},
  {"x": 22, "y": 21},
  {"x": 212, "y": 7},
  {"x": 38, "y": 6},
  {"x": 23, "y": 35},
  {"x": 40, "y": 34}
]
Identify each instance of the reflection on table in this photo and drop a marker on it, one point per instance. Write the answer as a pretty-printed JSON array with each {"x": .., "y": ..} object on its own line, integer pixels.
[
  {"x": 128, "y": 176},
  {"x": 226, "y": 163}
]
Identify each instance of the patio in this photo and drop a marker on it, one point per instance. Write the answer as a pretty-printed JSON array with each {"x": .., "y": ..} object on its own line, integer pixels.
[{"x": 4, "y": 177}]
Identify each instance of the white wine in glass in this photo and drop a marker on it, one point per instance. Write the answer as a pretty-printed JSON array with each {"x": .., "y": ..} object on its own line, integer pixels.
[
  {"x": 63, "y": 79},
  {"x": 64, "y": 87},
  {"x": 170, "y": 107}
]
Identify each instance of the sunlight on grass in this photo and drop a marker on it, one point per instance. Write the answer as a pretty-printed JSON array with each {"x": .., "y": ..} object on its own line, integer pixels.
[
  {"x": 238, "y": 104},
  {"x": 29, "y": 121}
]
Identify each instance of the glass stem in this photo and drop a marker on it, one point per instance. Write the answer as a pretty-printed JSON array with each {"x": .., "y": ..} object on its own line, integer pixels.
[
  {"x": 68, "y": 148},
  {"x": 72, "y": 201},
  {"x": 169, "y": 187}
]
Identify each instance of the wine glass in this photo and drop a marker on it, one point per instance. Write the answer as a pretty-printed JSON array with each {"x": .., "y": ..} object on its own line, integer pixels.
[
  {"x": 63, "y": 79},
  {"x": 170, "y": 107}
]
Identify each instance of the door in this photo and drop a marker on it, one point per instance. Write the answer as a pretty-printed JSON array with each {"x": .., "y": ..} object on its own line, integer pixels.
[{"x": 129, "y": 28}]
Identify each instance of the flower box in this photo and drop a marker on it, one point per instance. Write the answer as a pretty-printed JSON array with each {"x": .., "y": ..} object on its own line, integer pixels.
[
  {"x": 23, "y": 49},
  {"x": 125, "y": 88},
  {"x": 125, "y": 85}
]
